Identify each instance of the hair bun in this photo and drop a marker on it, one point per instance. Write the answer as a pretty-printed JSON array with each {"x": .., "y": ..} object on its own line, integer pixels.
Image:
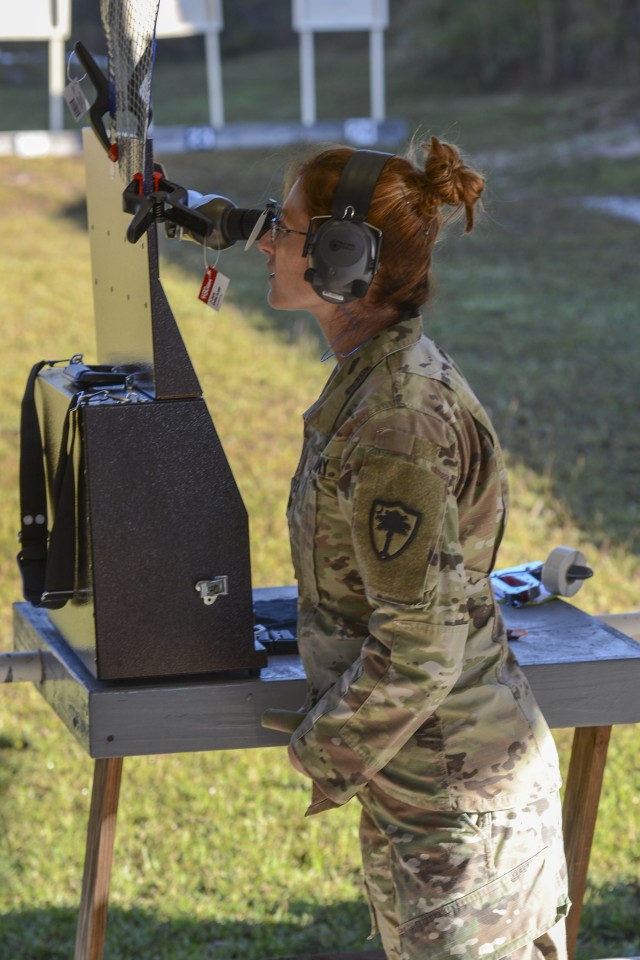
[{"x": 450, "y": 181}]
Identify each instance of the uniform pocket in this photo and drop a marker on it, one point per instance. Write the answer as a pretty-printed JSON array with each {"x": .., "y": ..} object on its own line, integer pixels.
[
  {"x": 480, "y": 826},
  {"x": 326, "y": 549},
  {"x": 492, "y": 921}
]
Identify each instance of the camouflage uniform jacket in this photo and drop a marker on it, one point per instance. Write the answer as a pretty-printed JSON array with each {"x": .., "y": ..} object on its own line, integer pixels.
[{"x": 396, "y": 513}]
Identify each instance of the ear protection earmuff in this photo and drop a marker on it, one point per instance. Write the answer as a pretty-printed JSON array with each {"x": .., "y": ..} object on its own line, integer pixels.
[{"x": 343, "y": 250}]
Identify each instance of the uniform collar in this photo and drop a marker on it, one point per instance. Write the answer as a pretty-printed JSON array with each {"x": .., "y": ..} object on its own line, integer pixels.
[{"x": 346, "y": 379}]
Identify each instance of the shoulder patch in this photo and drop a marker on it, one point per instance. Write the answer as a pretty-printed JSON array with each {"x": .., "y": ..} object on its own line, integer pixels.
[{"x": 392, "y": 527}]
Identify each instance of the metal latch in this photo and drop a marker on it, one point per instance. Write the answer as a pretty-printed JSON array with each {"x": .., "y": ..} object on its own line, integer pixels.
[{"x": 210, "y": 590}]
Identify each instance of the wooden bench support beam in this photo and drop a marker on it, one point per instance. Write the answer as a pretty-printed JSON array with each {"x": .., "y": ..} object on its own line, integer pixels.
[
  {"x": 580, "y": 810},
  {"x": 101, "y": 832}
]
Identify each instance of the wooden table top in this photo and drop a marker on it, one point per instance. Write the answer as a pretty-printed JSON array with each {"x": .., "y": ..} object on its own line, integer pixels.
[{"x": 583, "y": 673}]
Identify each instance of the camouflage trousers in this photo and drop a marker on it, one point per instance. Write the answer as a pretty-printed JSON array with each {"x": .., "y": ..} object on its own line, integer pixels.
[{"x": 444, "y": 884}]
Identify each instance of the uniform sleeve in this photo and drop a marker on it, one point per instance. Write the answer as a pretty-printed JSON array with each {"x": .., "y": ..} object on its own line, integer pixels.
[{"x": 399, "y": 499}]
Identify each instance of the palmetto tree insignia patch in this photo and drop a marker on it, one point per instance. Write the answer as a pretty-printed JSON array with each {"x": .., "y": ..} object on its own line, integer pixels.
[{"x": 392, "y": 527}]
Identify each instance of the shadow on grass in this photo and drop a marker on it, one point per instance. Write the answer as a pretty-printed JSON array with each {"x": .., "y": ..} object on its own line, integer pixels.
[
  {"x": 609, "y": 928},
  {"x": 49, "y": 934}
]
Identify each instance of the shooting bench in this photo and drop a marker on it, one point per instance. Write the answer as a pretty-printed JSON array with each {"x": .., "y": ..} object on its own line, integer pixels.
[{"x": 584, "y": 673}]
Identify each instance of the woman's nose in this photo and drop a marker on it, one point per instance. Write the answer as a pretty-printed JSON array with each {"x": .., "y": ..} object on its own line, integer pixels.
[{"x": 265, "y": 243}]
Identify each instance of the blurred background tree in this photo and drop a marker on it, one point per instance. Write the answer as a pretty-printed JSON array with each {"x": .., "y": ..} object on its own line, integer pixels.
[{"x": 529, "y": 45}]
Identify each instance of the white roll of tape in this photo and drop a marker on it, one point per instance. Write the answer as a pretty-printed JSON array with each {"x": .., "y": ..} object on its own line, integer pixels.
[{"x": 555, "y": 571}]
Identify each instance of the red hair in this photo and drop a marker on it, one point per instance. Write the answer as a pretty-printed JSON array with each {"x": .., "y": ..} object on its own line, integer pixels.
[{"x": 407, "y": 206}]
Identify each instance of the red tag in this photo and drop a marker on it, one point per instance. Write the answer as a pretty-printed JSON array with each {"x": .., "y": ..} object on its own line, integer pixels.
[{"x": 214, "y": 286}]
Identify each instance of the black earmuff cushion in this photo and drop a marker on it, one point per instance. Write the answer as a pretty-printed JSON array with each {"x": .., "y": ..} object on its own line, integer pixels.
[{"x": 343, "y": 253}]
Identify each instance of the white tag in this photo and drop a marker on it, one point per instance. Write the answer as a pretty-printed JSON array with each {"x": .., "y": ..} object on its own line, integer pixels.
[
  {"x": 76, "y": 100},
  {"x": 214, "y": 286}
]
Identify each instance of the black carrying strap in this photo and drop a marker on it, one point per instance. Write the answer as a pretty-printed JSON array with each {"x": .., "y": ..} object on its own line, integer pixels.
[{"x": 47, "y": 564}]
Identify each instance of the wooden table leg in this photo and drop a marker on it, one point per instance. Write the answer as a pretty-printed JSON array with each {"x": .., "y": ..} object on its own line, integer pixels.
[
  {"x": 579, "y": 813},
  {"x": 92, "y": 920}
]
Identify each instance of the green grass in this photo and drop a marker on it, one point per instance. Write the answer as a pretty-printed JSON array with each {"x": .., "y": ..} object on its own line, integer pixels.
[{"x": 214, "y": 858}]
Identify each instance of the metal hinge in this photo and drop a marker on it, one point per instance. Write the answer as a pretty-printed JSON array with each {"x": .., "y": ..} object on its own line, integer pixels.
[{"x": 210, "y": 590}]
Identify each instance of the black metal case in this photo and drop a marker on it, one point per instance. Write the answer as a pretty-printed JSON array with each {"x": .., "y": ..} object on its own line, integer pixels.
[{"x": 163, "y": 584}]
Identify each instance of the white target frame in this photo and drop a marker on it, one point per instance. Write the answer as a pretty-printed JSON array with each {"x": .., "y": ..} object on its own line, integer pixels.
[
  {"x": 190, "y": 18},
  {"x": 324, "y": 16}
]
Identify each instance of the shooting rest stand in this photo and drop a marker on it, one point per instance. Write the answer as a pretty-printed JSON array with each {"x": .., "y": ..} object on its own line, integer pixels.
[
  {"x": 584, "y": 674},
  {"x": 156, "y": 534}
]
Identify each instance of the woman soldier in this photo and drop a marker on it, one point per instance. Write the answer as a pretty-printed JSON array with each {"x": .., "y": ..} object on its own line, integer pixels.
[{"x": 416, "y": 705}]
